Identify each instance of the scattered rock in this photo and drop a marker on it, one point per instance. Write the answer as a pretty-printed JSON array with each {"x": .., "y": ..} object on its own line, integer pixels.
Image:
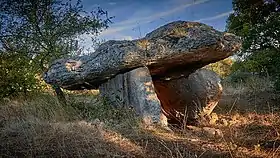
[{"x": 212, "y": 132}]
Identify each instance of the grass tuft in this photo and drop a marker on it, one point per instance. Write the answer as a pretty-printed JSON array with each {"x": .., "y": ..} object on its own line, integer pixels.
[{"x": 38, "y": 126}]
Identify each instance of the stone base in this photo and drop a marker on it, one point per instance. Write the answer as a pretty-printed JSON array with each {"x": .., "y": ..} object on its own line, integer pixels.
[
  {"x": 135, "y": 89},
  {"x": 186, "y": 99},
  {"x": 180, "y": 101}
]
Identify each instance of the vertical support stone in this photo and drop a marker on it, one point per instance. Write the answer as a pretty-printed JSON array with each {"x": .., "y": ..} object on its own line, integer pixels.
[
  {"x": 135, "y": 89},
  {"x": 207, "y": 89},
  {"x": 186, "y": 99}
]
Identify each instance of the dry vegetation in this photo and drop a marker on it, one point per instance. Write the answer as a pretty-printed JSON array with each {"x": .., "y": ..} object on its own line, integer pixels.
[{"x": 39, "y": 127}]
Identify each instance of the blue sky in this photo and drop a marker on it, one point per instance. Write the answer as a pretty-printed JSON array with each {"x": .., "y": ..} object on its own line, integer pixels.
[{"x": 136, "y": 18}]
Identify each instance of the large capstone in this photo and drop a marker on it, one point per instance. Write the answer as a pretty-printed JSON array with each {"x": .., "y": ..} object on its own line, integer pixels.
[{"x": 170, "y": 56}]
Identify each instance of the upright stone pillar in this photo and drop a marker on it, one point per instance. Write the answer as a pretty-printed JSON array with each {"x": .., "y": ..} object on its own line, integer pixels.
[{"x": 135, "y": 89}]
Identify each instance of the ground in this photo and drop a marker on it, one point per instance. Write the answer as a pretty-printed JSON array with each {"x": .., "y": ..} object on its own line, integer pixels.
[{"x": 38, "y": 126}]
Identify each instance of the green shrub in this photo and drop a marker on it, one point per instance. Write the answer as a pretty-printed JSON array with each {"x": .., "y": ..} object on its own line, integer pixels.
[
  {"x": 17, "y": 74},
  {"x": 223, "y": 67},
  {"x": 265, "y": 63}
]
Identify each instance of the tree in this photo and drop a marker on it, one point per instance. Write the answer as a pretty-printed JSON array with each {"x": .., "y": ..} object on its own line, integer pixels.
[
  {"x": 257, "y": 22},
  {"x": 44, "y": 30},
  {"x": 250, "y": 13},
  {"x": 16, "y": 74}
]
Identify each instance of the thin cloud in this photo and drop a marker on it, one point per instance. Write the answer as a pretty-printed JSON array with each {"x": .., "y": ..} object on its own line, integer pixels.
[
  {"x": 128, "y": 24},
  {"x": 127, "y": 38},
  {"x": 215, "y": 17},
  {"x": 116, "y": 29},
  {"x": 162, "y": 14},
  {"x": 112, "y": 3}
]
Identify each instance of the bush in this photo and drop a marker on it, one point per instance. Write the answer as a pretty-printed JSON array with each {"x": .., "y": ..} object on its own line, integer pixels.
[
  {"x": 239, "y": 76},
  {"x": 247, "y": 82},
  {"x": 17, "y": 74},
  {"x": 223, "y": 67},
  {"x": 265, "y": 63}
]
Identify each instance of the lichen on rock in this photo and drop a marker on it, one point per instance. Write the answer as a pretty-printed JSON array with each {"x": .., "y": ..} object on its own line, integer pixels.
[{"x": 170, "y": 54}]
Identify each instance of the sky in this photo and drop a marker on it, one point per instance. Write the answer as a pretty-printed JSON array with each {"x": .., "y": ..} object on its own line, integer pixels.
[{"x": 135, "y": 18}]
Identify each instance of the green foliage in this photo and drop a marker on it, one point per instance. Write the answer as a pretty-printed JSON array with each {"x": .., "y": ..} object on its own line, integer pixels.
[
  {"x": 250, "y": 13},
  {"x": 34, "y": 33},
  {"x": 17, "y": 74},
  {"x": 238, "y": 77},
  {"x": 264, "y": 62},
  {"x": 223, "y": 67},
  {"x": 257, "y": 22}
]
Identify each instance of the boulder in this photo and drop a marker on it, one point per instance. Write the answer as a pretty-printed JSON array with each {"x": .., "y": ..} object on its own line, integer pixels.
[
  {"x": 134, "y": 89},
  {"x": 173, "y": 50},
  {"x": 187, "y": 99},
  {"x": 183, "y": 100},
  {"x": 155, "y": 75}
]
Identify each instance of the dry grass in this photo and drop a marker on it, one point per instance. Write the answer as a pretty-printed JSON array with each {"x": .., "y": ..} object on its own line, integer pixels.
[
  {"x": 88, "y": 127},
  {"x": 249, "y": 85}
]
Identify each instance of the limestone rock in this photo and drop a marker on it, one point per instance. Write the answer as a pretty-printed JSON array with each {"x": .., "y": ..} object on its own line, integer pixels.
[
  {"x": 135, "y": 89},
  {"x": 173, "y": 50},
  {"x": 157, "y": 75},
  {"x": 212, "y": 132},
  {"x": 188, "y": 98}
]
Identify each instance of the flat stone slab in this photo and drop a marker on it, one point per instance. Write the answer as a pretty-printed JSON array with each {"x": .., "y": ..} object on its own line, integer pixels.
[{"x": 171, "y": 51}]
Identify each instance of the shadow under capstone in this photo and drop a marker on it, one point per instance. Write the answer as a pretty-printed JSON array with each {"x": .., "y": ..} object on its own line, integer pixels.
[{"x": 158, "y": 75}]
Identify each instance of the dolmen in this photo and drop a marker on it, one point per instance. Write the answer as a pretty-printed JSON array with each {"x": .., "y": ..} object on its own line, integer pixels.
[{"x": 161, "y": 75}]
